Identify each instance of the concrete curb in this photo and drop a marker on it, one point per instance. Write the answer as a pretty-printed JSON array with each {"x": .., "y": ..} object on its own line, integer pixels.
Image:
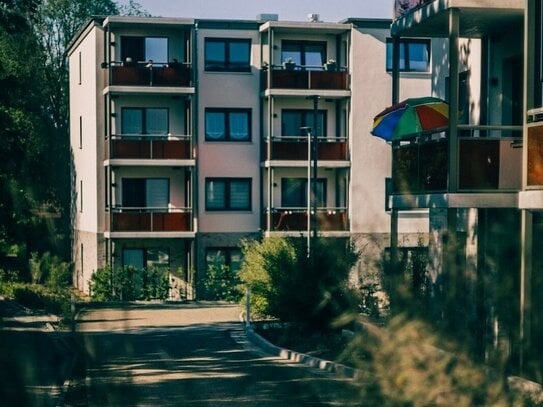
[{"x": 298, "y": 357}]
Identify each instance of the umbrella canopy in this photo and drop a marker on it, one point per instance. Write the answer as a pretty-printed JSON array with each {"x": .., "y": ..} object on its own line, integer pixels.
[{"x": 411, "y": 117}]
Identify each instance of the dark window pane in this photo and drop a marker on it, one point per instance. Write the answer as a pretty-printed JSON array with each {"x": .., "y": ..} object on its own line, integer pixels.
[
  {"x": 236, "y": 257},
  {"x": 131, "y": 121},
  {"x": 215, "y": 125},
  {"x": 133, "y": 47},
  {"x": 215, "y": 195},
  {"x": 157, "y": 193},
  {"x": 293, "y": 192},
  {"x": 158, "y": 258},
  {"x": 133, "y": 192},
  {"x": 156, "y": 121},
  {"x": 240, "y": 195},
  {"x": 133, "y": 258},
  {"x": 314, "y": 56},
  {"x": 215, "y": 55},
  {"x": 292, "y": 124},
  {"x": 239, "y": 125},
  {"x": 418, "y": 57},
  {"x": 239, "y": 55}
]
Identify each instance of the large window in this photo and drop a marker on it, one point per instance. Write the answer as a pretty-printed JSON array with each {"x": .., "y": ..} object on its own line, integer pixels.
[
  {"x": 228, "y": 124},
  {"x": 306, "y": 54},
  {"x": 294, "y": 192},
  {"x": 144, "y": 49},
  {"x": 149, "y": 120},
  {"x": 147, "y": 258},
  {"x": 150, "y": 193},
  {"x": 228, "y": 194},
  {"x": 414, "y": 55},
  {"x": 294, "y": 122},
  {"x": 224, "y": 256},
  {"x": 228, "y": 54}
]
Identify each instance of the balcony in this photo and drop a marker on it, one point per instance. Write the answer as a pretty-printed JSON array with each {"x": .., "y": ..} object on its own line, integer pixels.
[
  {"x": 151, "y": 220},
  {"x": 145, "y": 74},
  {"x": 150, "y": 147},
  {"x": 295, "y": 219},
  {"x": 305, "y": 79},
  {"x": 295, "y": 148},
  {"x": 486, "y": 163}
]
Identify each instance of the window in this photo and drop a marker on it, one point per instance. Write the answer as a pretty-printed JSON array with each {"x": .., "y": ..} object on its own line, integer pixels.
[
  {"x": 294, "y": 192},
  {"x": 150, "y": 120},
  {"x": 151, "y": 193},
  {"x": 307, "y": 54},
  {"x": 228, "y": 124},
  {"x": 414, "y": 55},
  {"x": 293, "y": 122},
  {"x": 147, "y": 258},
  {"x": 224, "y": 256},
  {"x": 144, "y": 49},
  {"x": 80, "y": 195},
  {"x": 230, "y": 194},
  {"x": 79, "y": 67},
  {"x": 227, "y": 55}
]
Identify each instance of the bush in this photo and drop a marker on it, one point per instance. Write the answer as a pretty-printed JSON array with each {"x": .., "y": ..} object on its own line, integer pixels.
[
  {"x": 128, "y": 284},
  {"x": 221, "y": 283},
  {"x": 50, "y": 270},
  {"x": 288, "y": 285}
]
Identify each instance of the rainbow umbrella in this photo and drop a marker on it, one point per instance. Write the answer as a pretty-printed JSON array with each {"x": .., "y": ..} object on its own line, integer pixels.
[{"x": 411, "y": 117}]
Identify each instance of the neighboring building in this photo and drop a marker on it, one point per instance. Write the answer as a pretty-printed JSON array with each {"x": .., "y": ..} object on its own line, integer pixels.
[
  {"x": 469, "y": 177},
  {"x": 190, "y": 135}
]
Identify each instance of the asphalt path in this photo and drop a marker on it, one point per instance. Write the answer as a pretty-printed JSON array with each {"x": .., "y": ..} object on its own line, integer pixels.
[{"x": 188, "y": 355}]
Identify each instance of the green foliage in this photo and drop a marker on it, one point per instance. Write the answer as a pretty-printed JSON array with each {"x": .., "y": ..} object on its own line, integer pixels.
[
  {"x": 408, "y": 364},
  {"x": 221, "y": 283},
  {"x": 286, "y": 284},
  {"x": 128, "y": 284},
  {"x": 50, "y": 270}
]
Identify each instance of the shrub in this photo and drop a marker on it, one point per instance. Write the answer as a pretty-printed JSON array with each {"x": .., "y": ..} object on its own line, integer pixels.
[
  {"x": 286, "y": 284},
  {"x": 221, "y": 283},
  {"x": 128, "y": 284},
  {"x": 50, "y": 270}
]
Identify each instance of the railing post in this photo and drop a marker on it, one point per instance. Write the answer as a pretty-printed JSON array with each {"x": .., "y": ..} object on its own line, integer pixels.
[{"x": 247, "y": 307}]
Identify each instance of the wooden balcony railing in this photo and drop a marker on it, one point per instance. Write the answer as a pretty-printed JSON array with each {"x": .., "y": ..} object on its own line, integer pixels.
[
  {"x": 145, "y": 74},
  {"x": 306, "y": 79},
  {"x": 295, "y": 148},
  {"x": 295, "y": 219},
  {"x": 151, "y": 147},
  {"x": 485, "y": 164},
  {"x": 151, "y": 220}
]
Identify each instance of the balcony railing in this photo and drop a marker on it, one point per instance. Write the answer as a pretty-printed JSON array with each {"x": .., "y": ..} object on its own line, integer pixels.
[
  {"x": 149, "y": 74},
  {"x": 295, "y": 148},
  {"x": 535, "y": 155},
  {"x": 151, "y": 219},
  {"x": 147, "y": 147},
  {"x": 485, "y": 164},
  {"x": 295, "y": 219},
  {"x": 305, "y": 79}
]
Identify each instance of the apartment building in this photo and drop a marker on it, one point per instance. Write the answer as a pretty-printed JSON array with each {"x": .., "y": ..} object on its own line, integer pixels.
[
  {"x": 189, "y": 136},
  {"x": 470, "y": 177}
]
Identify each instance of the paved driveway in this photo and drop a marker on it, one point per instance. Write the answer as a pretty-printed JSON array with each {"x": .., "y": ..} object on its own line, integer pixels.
[{"x": 189, "y": 355}]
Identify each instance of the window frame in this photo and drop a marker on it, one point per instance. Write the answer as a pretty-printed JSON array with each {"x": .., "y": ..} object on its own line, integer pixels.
[
  {"x": 227, "y": 207},
  {"x": 143, "y": 193},
  {"x": 227, "y": 64},
  {"x": 303, "y": 44},
  {"x": 404, "y": 45},
  {"x": 143, "y": 50},
  {"x": 227, "y": 135},
  {"x": 228, "y": 252},
  {"x": 144, "y": 119}
]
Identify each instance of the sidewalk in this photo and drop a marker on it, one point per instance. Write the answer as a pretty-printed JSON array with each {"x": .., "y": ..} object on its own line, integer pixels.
[{"x": 15, "y": 317}]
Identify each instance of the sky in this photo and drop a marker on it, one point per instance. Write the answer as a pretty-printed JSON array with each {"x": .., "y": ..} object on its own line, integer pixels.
[{"x": 288, "y": 10}]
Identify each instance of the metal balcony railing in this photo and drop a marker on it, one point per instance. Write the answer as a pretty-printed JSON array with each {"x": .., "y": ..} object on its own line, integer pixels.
[
  {"x": 295, "y": 219},
  {"x": 146, "y": 219},
  {"x": 150, "y": 147},
  {"x": 150, "y": 74},
  {"x": 486, "y": 162}
]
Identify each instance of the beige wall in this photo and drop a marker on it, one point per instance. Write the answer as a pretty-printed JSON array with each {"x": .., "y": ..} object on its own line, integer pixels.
[
  {"x": 371, "y": 163},
  {"x": 229, "y": 159}
]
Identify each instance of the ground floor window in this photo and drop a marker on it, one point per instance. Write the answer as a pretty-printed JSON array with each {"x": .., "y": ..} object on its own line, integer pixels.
[
  {"x": 224, "y": 256},
  {"x": 147, "y": 258}
]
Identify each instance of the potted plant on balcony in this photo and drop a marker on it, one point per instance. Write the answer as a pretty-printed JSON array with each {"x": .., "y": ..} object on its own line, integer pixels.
[
  {"x": 289, "y": 64},
  {"x": 330, "y": 65}
]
